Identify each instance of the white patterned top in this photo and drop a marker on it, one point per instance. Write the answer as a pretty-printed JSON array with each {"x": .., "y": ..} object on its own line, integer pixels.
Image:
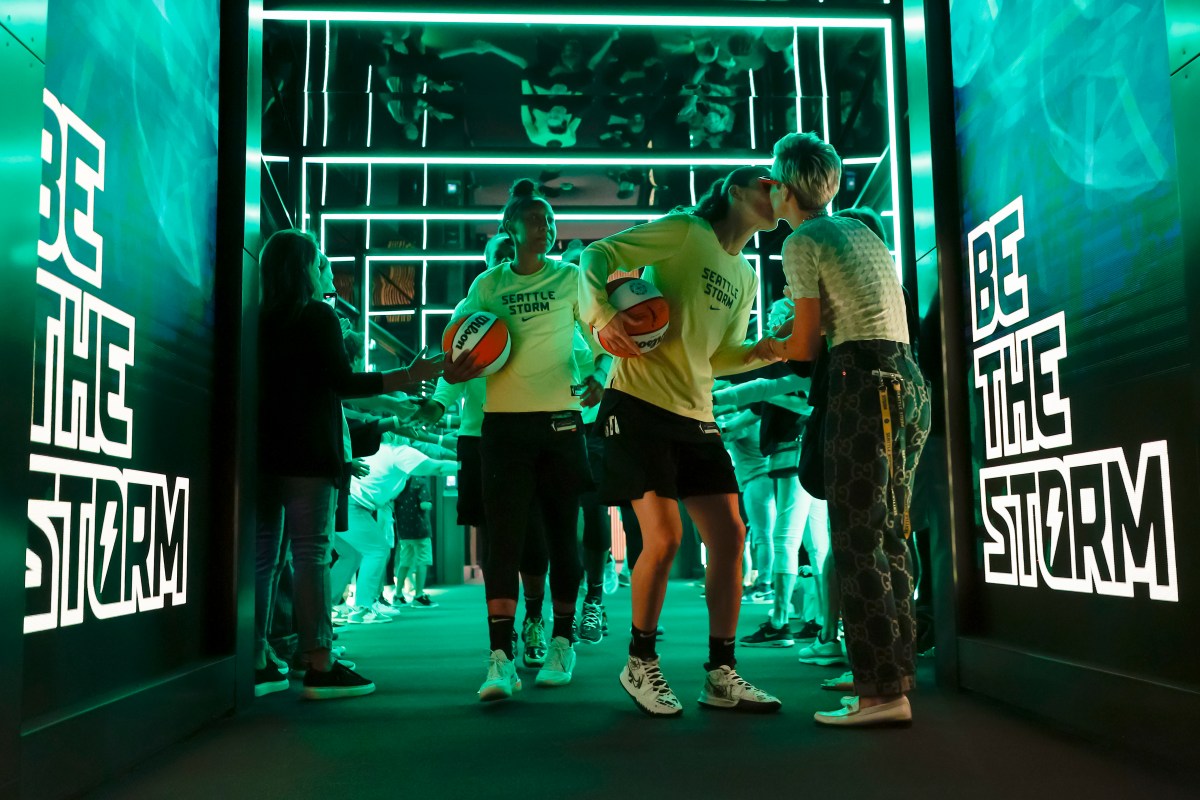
[{"x": 842, "y": 263}]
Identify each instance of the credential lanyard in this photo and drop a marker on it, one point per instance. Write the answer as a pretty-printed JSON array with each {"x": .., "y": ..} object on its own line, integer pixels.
[{"x": 890, "y": 380}]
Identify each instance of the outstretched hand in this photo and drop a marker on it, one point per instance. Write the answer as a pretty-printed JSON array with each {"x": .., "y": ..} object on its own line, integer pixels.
[
  {"x": 461, "y": 370},
  {"x": 766, "y": 349},
  {"x": 616, "y": 339}
]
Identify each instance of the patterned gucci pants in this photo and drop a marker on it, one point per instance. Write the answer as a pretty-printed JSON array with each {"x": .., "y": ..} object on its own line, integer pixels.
[{"x": 868, "y": 501}]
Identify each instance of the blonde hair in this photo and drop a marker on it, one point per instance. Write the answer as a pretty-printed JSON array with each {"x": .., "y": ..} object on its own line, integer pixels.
[{"x": 809, "y": 167}]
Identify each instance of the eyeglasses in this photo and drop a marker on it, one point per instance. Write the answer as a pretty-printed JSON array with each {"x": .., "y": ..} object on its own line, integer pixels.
[{"x": 771, "y": 182}]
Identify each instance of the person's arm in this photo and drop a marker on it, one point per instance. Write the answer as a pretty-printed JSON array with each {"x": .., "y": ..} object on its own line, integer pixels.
[
  {"x": 755, "y": 391},
  {"x": 444, "y": 396},
  {"x": 739, "y": 422},
  {"x": 435, "y": 466},
  {"x": 630, "y": 249},
  {"x": 481, "y": 47},
  {"x": 603, "y": 51},
  {"x": 801, "y": 271},
  {"x": 465, "y": 368},
  {"x": 736, "y": 354}
]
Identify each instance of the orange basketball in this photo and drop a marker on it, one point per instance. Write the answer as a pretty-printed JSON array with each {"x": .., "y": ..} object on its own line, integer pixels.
[
  {"x": 481, "y": 334},
  {"x": 642, "y": 301}
]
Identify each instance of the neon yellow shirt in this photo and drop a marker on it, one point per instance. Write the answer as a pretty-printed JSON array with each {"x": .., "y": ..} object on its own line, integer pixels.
[
  {"x": 709, "y": 294},
  {"x": 539, "y": 311}
]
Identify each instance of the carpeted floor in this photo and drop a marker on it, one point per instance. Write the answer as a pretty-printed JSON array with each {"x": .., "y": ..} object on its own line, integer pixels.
[{"x": 424, "y": 735}]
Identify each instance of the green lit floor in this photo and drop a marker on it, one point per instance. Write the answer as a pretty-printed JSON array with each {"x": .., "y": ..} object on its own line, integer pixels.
[{"x": 424, "y": 735}]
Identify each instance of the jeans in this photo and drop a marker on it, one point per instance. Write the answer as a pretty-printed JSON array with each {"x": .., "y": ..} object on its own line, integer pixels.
[
  {"x": 868, "y": 498},
  {"x": 302, "y": 509}
]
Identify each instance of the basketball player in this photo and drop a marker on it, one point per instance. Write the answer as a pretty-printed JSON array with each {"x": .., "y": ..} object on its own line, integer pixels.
[
  {"x": 532, "y": 444},
  {"x": 661, "y": 443},
  {"x": 534, "y": 559}
]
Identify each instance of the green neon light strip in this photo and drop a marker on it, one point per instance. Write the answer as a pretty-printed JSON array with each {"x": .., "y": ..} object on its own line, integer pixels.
[
  {"x": 631, "y": 20},
  {"x": 469, "y": 216},
  {"x": 584, "y": 161},
  {"x": 307, "y": 62},
  {"x": 895, "y": 163}
]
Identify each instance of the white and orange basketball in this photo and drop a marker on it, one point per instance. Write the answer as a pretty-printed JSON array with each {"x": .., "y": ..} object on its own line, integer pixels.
[
  {"x": 481, "y": 333},
  {"x": 642, "y": 300}
]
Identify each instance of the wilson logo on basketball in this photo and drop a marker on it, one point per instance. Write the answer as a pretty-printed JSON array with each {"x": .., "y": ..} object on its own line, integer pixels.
[
  {"x": 482, "y": 335},
  {"x": 641, "y": 301}
]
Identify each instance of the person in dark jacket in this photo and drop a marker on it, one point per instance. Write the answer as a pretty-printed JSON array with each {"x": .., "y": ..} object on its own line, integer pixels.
[{"x": 302, "y": 373}]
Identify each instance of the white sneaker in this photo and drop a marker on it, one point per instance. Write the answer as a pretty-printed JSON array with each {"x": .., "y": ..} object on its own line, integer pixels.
[
  {"x": 610, "y": 575},
  {"x": 824, "y": 654},
  {"x": 724, "y": 688},
  {"x": 502, "y": 679},
  {"x": 368, "y": 616},
  {"x": 560, "y": 663},
  {"x": 385, "y": 609},
  {"x": 644, "y": 682}
]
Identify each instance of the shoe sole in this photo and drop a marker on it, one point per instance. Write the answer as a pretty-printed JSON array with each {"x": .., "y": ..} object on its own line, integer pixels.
[
  {"x": 883, "y": 723},
  {"x": 493, "y": 693},
  {"x": 740, "y": 706},
  {"x": 660, "y": 714},
  {"x": 552, "y": 683},
  {"x": 591, "y": 641},
  {"x": 777, "y": 643},
  {"x": 336, "y": 692},
  {"x": 264, "y": 689},
  {"x": 824, "y": 661}
]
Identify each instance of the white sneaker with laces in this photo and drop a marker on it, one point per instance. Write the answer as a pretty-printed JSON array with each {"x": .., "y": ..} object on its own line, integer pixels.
[
  {"x": 644, "y": 682},
  {"x": 610, "y": 575},
  {"x": 591, "y": 624},
  {"x": 386, "y": 610},
  {"x": 724, "y": 688},
  {"x": 560, "y": 663},
  {"x": 368, "y": 616},
  {"x": 824, "y": 654},
  {"x": 502, "y": 679}
]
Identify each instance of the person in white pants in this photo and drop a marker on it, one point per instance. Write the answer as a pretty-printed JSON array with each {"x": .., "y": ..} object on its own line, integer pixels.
[{"x": 365, "y": 545}]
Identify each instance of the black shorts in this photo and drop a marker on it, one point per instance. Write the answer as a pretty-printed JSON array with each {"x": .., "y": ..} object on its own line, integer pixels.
[
  {"x": 650, "y": 449},
  {"x": 470, "y": 481}
]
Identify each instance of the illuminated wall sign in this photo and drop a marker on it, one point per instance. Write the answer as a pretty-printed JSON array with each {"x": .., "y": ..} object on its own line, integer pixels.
[
  {"x": 1080, "y": 379},
  {"x": 1098, "y": 521},
  {"x": 108, "y": 540}
]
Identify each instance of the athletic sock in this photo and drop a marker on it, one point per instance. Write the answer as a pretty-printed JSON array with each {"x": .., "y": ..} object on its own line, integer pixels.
[
  {"x": 564, "y": 626},
  {"x": 533, "y": 607},
  {"x": 641, "y": 644},
  {"x": 595, "y": 594},
  {"x": 500, "y": 632},
  {"x": 720, "y": 653}
]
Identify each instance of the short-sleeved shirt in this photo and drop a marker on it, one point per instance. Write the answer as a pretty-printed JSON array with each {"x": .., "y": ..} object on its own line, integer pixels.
[
  {"x": 842, "y": 263},
  {"x": 390, "y": 468},
  {"x": 412, "y": 521}
]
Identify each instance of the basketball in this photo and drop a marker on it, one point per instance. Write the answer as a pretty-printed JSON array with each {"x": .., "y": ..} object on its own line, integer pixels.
[
  {"x": 642, "y": 300},
  {"x": 482, "y": 334}
]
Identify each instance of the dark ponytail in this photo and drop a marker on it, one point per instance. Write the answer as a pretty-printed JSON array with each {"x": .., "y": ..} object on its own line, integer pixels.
[
  {"x": 523, "y": 194},
  {"x": 713, "y": 206}
]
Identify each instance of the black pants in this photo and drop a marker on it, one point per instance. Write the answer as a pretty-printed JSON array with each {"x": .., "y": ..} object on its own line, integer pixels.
[
  {"x": 532, "y": 459},
  {"x": 868, "y": 498},
  {"x": 597, "y": 532}
]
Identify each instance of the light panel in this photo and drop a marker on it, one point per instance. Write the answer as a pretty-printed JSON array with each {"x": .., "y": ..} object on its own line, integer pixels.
[{"x": 610, "y": 20}]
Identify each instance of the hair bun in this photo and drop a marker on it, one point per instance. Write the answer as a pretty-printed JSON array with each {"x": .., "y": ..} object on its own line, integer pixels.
[{"x": 523, "y": 188}]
